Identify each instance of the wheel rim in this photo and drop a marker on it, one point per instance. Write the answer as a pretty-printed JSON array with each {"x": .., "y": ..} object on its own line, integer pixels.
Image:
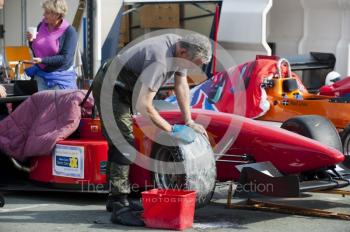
[{"x": 168, "y": 181}]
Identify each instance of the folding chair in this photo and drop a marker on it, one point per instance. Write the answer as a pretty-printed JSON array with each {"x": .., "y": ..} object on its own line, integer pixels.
[{"x": 18, "y": 58}]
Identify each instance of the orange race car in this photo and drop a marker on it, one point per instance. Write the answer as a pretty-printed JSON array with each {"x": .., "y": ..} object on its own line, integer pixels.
[{"x": 289, "y": 98}]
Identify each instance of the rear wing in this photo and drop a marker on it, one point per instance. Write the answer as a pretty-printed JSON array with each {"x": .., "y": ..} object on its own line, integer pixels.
[{"x": 313, "y": 60}]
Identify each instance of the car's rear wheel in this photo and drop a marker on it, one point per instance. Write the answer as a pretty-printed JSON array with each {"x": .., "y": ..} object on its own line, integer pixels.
[
  {"x": 185, "y": 166},
  {"x": 315, "y": 127},
  {"x": 318, "y": 128}
]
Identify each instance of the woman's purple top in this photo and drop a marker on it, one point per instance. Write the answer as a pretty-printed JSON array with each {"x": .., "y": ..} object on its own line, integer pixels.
[{"x": 55, "y": 48}]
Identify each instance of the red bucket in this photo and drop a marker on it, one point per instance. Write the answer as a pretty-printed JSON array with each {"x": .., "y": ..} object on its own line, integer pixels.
[{"x": 169, "y": 208}]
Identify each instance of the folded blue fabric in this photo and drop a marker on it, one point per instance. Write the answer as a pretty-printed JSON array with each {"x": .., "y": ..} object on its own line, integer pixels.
[
  {"x": 64, "y": 79},
  {"x": 183, "y": 133}
]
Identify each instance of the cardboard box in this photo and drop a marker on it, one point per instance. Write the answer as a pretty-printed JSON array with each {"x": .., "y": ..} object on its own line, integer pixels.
[{"x": 160, "y": 16}]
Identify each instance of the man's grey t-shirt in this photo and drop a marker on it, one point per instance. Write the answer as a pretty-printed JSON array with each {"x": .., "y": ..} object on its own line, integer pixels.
[{"x": 152, "y": 61}]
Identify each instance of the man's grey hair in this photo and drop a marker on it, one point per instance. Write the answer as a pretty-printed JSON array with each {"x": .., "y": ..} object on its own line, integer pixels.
[{"x": 198, "y": 46}]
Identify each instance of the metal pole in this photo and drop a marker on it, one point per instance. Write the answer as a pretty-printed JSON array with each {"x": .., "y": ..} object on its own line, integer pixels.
[
  {"x": 24, "y": 20},
  {"x": 97, "y": 45},
  {"x": 89, "y": 52}
]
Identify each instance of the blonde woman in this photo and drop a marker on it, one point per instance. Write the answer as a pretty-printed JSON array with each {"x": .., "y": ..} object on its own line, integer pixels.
[{"x": 53, "y": 49}]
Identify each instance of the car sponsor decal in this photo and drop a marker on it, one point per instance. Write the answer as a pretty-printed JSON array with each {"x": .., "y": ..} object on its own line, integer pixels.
[{"x": 68, "y": 161}]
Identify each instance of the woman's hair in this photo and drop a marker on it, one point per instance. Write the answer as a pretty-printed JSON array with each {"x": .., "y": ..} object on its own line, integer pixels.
[{"x": 56, "y": 6}]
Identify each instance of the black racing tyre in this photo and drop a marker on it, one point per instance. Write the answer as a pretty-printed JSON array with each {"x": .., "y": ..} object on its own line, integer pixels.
[
  {"x": 192, "y": 166},
  {"x": 315, "y": 127},
  {"x": 345, "y": 138}
]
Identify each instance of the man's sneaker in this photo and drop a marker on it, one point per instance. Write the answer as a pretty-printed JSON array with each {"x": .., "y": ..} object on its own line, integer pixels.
[{"x": 124, "y": 216}]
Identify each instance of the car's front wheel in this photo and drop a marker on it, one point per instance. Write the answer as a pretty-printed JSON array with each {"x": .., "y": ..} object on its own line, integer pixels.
[{"x": 185, "y": 166}]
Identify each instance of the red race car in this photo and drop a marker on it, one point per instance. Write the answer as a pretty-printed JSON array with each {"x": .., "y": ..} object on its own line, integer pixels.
[{"x": 245, "y": 151}]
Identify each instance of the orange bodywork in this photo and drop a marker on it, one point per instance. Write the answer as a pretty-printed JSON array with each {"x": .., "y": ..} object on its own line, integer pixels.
[{"x": 285, "y": 105}]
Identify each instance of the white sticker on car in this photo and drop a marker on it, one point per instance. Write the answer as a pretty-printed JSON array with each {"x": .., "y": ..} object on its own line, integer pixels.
[{"x": 68, "y": 161}]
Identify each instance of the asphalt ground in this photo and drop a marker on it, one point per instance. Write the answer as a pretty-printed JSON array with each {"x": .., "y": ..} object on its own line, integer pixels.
[{"x": 53, "y": 211}]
